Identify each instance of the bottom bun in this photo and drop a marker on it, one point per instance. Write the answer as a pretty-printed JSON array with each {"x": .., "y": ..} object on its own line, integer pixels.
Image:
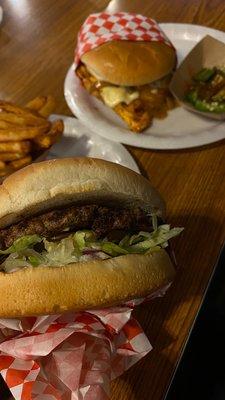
[{"x": 81, "y": 286}]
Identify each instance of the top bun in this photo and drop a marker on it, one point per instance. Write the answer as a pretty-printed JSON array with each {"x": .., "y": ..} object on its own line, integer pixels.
[
  {"x": 42, "y": 186},
  {"x": 127, "y": 63}
]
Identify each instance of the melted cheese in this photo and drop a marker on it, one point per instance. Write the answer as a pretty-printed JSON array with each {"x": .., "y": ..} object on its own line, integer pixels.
[{"x": 113, "y": 95}]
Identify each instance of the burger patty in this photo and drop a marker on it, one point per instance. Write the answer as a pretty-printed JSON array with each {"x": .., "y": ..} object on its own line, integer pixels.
[{"x": 101, "y": 220}]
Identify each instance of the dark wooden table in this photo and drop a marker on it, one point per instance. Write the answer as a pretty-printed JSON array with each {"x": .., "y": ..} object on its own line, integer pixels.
[{"x": 37, "y": 42}]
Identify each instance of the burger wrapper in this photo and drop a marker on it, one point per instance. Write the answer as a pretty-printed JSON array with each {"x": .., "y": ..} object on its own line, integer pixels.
[
  {"x": 71, "y": 356},
  {"x": 209, "y": 52},
  {"x": 104, "y": 27}
]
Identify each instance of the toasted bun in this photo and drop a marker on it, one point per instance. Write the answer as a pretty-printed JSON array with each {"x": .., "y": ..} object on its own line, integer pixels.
[
  {"x": 82, "y": 286},
  {"x": 126, "y": 63},
  {"x": 48, "y": 184}
]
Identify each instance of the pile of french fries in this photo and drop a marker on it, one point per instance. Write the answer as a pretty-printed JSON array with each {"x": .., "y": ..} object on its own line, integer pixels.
[{"x": 26, "y": 133}]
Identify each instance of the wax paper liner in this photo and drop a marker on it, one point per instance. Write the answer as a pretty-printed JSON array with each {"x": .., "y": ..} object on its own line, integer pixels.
[
  {"x": 69, "y": 357},
  {"x": 104, "y": 27}
]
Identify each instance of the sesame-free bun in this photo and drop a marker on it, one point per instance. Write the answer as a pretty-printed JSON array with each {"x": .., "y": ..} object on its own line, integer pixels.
[
  {"x": 55, "y": 183},
  {"x": 83, "y": 285},
  {"x": 127, "y": 63}
]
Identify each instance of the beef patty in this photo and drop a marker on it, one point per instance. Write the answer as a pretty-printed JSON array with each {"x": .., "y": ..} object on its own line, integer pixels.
[{"x": 101, "y": 220}]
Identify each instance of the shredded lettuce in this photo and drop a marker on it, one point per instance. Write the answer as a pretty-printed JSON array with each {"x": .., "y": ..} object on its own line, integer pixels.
[
  {"x": 26, "y": 258},
  {"x": 83, "y": 246},
  {"x": 34, "y": 260},
  {"x": 154, "y": 221},
  {"x": 113, "y": 249},
  {"x": 60, "y": 253},
  {"x": 14, "y": 263},
  {"x": 22, "y": 243},
  {"x": 81, "y": 238},
  {"x": 158, "y": 237},
  {"x": 125, "y": 241},
  {"x": 34, "y": 257}
]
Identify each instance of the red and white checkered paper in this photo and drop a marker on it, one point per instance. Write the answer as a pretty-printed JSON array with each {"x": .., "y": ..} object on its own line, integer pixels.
[
  {"x": 103, "y": 27},
  {"x": 74, "y": 356}
]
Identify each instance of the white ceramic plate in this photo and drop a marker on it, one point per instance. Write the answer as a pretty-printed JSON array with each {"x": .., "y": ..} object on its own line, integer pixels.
[
  {"x": 181, "y": 129},
  {"x": 79, "y": 141}
]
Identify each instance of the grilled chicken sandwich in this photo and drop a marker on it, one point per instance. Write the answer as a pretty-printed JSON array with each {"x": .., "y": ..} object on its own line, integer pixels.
[
  {"x": 78, "y": 234},
  {"x": 132, "y": 78}
]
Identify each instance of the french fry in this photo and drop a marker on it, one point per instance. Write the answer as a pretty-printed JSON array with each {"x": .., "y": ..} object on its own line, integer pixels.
[
  {"x": 48, "y": 107},
  {"x": 5, "y": 125},
  {"x": 8, "y": 107},
  {"x": 21, "y": 120},
  {"x": 51, "y": 137},
  {"x": 44, "y": 105},
  {"x": 37, "y": 103},
  {"x": 22, "y": 133},
  {"x": 15, "y": 147},
  {"x": 22, "y": 162},
  {"x": 11, "y": 156},
  {"x": 2, "y": 165}
]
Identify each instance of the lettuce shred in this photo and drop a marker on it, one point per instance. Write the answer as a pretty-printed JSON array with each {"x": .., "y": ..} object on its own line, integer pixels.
[{"x": 83, "y": 246}]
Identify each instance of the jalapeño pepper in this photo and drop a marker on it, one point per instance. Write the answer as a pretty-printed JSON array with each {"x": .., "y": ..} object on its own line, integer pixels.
[
  {"x": 202, "y": 105},
  {"x": 207, "y": 92},
  {"x": 205, "y": 74}
]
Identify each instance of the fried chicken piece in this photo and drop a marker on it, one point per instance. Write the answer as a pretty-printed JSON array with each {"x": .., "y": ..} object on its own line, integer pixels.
[
  {"x": 135, "y": 115},
  {"x": 153, "y": 101}
]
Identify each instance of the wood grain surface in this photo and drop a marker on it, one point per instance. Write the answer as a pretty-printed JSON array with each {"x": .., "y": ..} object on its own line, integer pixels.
[{"x": 37, "y": 40}]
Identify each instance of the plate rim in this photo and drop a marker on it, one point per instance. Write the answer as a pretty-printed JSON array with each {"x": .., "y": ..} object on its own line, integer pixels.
[{"x": 80, "y": 126}]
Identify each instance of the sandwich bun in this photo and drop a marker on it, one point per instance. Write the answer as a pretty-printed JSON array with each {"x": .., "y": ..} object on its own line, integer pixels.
[
  {"x": 55, "y": 183},
  {"x": 83, "y": 285},
  {"x": 127, "y": 63}
]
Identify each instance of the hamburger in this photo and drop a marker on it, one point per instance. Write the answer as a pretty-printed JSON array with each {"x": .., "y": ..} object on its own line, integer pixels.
[
  {"x": 132, "y": 78},
  {"x": 77, "y": 234}
]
